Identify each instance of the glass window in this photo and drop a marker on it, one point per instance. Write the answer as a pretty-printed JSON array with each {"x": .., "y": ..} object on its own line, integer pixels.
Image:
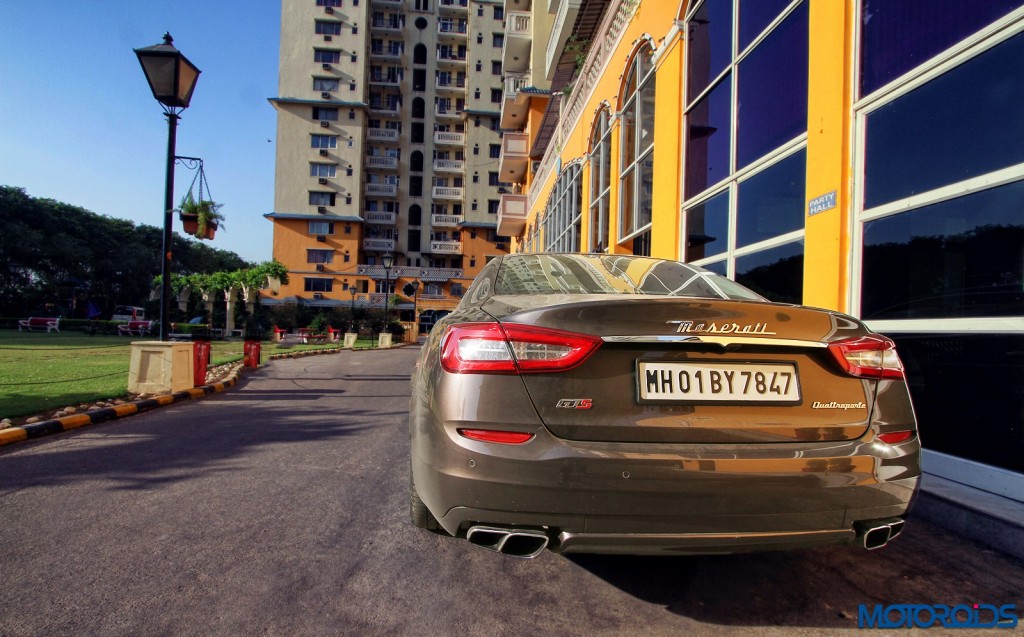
[
  {"x": 965, "y": 123},
  {"x": 328, "y": 28},
  {"x": 755, "y": 16},
  {"x": 319, "y": 256},
  {"x": 600, "y": 182},
  {"x": 772, "y": 91},
  {"x": 709, "y": 44},
  {"x": 326, "y": 57},
  {"x": 322, "y": 170},
  {"x": 318, "y": 285},
  {"x": 325, "y": 84},
  {"x": 898, "y": 36},
  {"x": 321, "y": 227},
  {"x": 776, "y": 274},
  {"x": 771, "y": 202},
  {"x": 709, "y": 138},
  {"x": 321, "y": 198},
  {"x": 323, "y": 141},
  {"x": 562, "y": 215},
  {"x": 707, "y": 228},
  {"x": 322, "y": 113},
  {"x": 637, "y": 142},
  {"x": 958, "y": 258}
]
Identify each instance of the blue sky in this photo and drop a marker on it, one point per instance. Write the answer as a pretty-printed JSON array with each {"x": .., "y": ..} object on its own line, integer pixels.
[{"x": 79, "y": 124}]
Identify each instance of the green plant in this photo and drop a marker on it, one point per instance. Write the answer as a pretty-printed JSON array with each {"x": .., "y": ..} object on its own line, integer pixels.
[
  {"x": 319, "y": 323},
  {"x": 207, "y": 213}
]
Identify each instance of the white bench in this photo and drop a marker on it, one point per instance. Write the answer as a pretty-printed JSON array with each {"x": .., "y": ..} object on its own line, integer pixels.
[{"x": 40, "y": 322}]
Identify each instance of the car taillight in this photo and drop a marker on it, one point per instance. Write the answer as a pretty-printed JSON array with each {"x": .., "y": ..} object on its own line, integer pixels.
[
  {"x": 894, "y": 437},
  {"x": 500, "y": 437},
  {"x": 513, "y": 349},
  {"x": 868, "y": 357}
]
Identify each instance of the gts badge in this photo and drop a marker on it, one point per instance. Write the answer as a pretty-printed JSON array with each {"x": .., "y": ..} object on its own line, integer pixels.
[{"x": 575, "y": 403}]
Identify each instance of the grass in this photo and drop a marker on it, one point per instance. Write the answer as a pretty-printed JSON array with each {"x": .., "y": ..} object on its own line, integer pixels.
[{"x": 40, "y": 371}]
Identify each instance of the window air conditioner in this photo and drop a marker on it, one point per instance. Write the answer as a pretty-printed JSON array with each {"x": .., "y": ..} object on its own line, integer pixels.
[
  {"x": 319, "y": 267},
  {"x": 322, "y": 209},
  {"x": 327, "y": 67},
  {"x": 323, "y": 152},
  {"x": 328, "y": 9},
  {"x": 325, "y": 95},
  {"x": 322, "y": 238},
  {"x": 323, "y": 180},
  {"x": 324, "y": 123},
  {"x": 317, "y": 296},
  {"x": 327, "y": 38}
]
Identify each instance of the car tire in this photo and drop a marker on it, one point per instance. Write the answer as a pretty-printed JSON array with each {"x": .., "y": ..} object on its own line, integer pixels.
[{"x": 421, "y": 516}]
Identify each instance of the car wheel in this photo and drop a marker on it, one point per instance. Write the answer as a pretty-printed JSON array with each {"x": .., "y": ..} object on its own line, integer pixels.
[{"x": 420, "y": 514}]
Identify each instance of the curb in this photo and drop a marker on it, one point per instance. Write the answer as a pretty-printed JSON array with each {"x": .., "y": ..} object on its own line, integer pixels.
[{"x": 67, "y": 423}]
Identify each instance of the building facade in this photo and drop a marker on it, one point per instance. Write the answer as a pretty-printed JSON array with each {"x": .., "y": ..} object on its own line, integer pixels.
[
  {"x": 857, "y": 155},
  {"x": 388, "y": 138}
]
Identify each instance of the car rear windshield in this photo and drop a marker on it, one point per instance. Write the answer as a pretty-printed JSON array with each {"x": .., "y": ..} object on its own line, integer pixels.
[{"x": 605, "y": 274}]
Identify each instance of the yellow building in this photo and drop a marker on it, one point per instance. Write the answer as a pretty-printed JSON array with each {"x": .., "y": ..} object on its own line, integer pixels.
[
  {"x": 387, "y": 147},
  {"x": 857, "y": 155}
]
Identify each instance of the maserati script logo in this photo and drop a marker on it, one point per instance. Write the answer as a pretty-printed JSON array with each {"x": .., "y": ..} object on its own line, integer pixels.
[{"x": 689, "y": 327}]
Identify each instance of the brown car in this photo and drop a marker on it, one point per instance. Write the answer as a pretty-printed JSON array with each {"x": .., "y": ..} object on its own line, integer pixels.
[{"x": 620, "y": 404}]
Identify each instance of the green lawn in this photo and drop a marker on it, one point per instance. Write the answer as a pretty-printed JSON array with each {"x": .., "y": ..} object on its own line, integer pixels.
[{"x": 40, "y": 371}]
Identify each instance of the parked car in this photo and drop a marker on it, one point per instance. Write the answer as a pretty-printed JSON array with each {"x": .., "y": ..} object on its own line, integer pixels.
[
  {"x": 594, "y": 403},
  {"x": 128, "y": 313}
]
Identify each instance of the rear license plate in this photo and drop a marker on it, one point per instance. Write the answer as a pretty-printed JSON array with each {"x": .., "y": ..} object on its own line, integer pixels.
[{"x": 718, "y": 382}]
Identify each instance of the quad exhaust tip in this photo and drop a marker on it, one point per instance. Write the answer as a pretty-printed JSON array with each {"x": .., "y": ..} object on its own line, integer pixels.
[
  {"x": 524, "y": 543},
  {"x": 875, "y": 534}
]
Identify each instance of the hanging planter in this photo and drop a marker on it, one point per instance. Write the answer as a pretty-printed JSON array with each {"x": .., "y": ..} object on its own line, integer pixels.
[{"x": 200, "y": 217}]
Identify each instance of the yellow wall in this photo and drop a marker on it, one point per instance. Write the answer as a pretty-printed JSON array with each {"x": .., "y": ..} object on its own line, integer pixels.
[{"x": 827, "y": 241}]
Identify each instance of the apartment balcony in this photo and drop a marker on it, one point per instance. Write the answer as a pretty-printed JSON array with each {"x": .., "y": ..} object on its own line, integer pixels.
[
  {"x": 447, "y": 138},
  {"x": 379, "y": 245},
  {"x": 439, "y": 275},
  {"x": 449, "y": 165},
  {"x": 387, "y": 3},
  {"x": 381, "y": 134},
  {"x": 445, "y": 221},
  {"x": 379, "y": 218},
  {"x": 381, "y": 163},
  {"x": 447, "y": 113},
  {"x": 381, "y": 190},
  {"x": 515, "y": 56},
  {"x": 451, "y": 58},
  {"x": 452, "y": 30},
  {"x": 565, "y": 20},
  {"x": 515, "y": 157},
  {"x": 392, "y": 26},
  {"x": 451, "y": 86},
  {"x": 512, "y": 215},
  {"x": 385, "y": 54},
  {"x": 384, "y": 79},
  {"x": 446, "y": 247},
  {"x": 453, "y": 7},
  {"x": 514, "y": 106},
  {"x": 447, "y": 192},
  {"x": 384, "y": 109}
]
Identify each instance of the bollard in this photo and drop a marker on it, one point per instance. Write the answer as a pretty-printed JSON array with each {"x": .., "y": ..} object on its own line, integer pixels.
[
  {"x": 252, "y": 354},
  {"x": 200, "y": 361}
]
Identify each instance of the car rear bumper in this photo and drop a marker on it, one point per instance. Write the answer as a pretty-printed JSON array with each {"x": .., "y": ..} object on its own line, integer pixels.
[{"x": 642, "y": 498}]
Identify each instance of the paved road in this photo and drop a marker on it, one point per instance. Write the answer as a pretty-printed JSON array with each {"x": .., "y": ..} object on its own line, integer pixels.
[{"x": 279, "y": 508}]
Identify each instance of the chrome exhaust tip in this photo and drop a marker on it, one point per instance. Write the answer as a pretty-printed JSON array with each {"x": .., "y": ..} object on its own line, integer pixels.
[
  {"x": 875, "y": 534},
  {"x": 524, "y": 543}
]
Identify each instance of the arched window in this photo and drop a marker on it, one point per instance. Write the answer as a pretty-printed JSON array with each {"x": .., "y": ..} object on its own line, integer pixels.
[
  {"x": 416, "y": 162},
  {"x": 419, "y": 108},
  {"x": 419, "y": 54},
  {"x": 636, "y": 141},
  {"x": 562, "y": 217},
  {"x": 415, "y": 215},
  {"x": 600, "y": 181}
]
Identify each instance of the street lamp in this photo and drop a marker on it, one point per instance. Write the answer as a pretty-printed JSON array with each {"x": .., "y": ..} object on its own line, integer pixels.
[
  {"x": 172, "y": 78},
  {"x": 387, "y": 261},
  {"x": 352, "y": 291}
]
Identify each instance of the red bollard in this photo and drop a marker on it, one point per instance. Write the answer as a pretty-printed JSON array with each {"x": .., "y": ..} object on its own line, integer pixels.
[
  {"x": 200, "y": 361},
  {"x": 251, "y": 356}
]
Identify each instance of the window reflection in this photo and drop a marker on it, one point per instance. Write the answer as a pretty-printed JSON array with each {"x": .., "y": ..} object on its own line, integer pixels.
[
  {"x": 707, "y": 228},
  {"x": 957, "y": 258},
  {"x": 776, "y": 274},
  {"x": 709, "y": 50},
  {"x": 772, "y": 202},
  {"x": 709, "y": 139}
]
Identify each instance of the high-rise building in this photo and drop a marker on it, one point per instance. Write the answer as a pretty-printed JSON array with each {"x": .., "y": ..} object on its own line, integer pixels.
[{"x": 388, "y": 138}]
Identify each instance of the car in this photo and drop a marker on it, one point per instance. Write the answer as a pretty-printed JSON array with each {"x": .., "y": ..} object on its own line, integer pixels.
[
  {"x": 626, "y": 404},
  {"x": 128, "y": 313}
]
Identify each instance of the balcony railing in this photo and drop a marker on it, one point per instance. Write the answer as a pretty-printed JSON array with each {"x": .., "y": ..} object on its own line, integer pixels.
[
  {"x": 385, "y": 54},
  {"x": 517, "y": 24},
  {"x": 388, "y": 163},
  {"x": 452, "y": 28},
  {"x": 384, "y": 108},
  {"x": 446, "y": 247},
  {"x": 450, "y": 85},
  {"x": 447, "y": 192},
  {"x": 386, "y": 25},
  {"x": 450, "y": 57},
  {"x": 382, "y": 190},
  {"x": 445, "y": 221},
  {"x": 449, "y": 165},
  {"x": 445, "y": 137},
  {"x": 454, "y": 4},
  {"x": 378, "y": 245},
  {"x": 512, "y": 215},
  {"x": 382, "y": 134},
  {"x": 386, "y": 79},
  {"x": 448, "y": 112},
  {"x": 432, "y": 275},
  {"x": 379, "y": 218}
]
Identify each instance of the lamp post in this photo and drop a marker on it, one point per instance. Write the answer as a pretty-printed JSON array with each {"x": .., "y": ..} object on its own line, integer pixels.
[
  {"x": 352, "y": 291},
  {"x": 172, "y": 78},
  {"x": 387, "y": 261}
]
